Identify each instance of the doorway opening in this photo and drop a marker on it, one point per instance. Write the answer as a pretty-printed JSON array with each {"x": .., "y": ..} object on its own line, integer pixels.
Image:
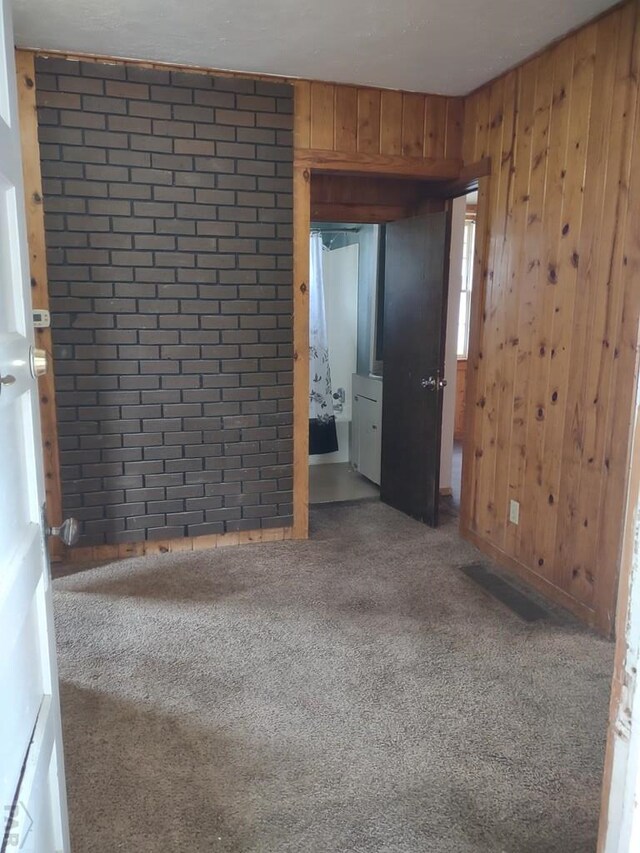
[
  {"x": 346, "y": 362},
  {"x": 377, "y": 311},
  {"x": 463, "y": 230}
]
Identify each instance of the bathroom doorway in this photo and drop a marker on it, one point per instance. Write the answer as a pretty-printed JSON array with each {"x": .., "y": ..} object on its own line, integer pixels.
[{"x": 345, "y": 451}]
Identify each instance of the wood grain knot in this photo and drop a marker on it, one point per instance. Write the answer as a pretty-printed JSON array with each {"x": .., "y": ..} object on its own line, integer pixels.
[
  {"x": 303, "y": 287},
  {"x": 28, "y": 81},
  {"x": 37, "y": 198}
]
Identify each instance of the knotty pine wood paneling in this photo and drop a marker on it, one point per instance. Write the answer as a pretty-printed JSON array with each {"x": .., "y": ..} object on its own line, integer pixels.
[
  {"x": 349, "y": 119},
  {"x": 554, "y": 351}
]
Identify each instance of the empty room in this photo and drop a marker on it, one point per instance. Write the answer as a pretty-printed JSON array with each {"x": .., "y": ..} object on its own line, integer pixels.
[{"x": 319, "y": 393}]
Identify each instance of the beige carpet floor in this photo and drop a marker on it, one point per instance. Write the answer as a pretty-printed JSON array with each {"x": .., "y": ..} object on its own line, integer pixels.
[{"x": 351, "y": 693}]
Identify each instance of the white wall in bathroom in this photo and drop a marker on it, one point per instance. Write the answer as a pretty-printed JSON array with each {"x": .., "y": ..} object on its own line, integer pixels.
[
  {"x": 340, "y": 269},
  {"x": 450, "y": 359}
]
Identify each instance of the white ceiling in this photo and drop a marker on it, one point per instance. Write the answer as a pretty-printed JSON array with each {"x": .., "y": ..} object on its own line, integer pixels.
[{"x": 440, "y": 46}]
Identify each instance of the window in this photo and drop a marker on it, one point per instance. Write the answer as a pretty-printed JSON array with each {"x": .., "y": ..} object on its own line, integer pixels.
[{"x": 465, "y": 290}]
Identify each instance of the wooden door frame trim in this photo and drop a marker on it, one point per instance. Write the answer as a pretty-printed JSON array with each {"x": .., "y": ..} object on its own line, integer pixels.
[
  {"x": 473, "y": 351},
  {"x": 304, "y": 168},
  {"x": 34, "y": 209}
]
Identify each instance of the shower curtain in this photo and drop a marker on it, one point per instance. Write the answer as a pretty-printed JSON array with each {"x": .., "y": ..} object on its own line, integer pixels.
[{"x": 322, "y": 423}]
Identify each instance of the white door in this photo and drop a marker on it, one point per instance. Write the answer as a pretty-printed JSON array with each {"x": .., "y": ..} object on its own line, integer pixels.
[{"x": 32, "y": 791}]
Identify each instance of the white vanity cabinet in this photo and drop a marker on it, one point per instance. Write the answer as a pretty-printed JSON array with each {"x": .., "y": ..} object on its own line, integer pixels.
[{"x": 366, "y": 439}]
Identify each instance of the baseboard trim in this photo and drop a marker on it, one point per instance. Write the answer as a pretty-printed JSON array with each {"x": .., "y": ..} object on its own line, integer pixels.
[
  {"x": 100, "y": 553},
  {"x": 552, "y": 593}
]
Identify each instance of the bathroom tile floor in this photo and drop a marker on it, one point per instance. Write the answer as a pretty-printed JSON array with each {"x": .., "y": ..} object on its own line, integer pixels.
[{"x": 338, "y": 481}]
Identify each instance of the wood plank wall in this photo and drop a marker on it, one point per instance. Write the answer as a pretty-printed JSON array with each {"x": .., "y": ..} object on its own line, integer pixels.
[
  {"x": 556, "y": 304},
  {"x": 365, "y": 122}
]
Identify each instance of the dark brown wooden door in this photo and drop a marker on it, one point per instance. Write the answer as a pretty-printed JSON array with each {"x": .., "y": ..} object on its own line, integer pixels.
[{"x": 415, "y": 298}]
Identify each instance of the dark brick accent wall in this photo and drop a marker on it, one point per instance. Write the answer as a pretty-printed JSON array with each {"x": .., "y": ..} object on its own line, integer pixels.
[{"x": 168, "y": 213}]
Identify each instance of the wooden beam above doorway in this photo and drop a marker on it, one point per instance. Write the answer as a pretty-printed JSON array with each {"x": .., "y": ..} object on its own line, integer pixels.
[{"x": 382, "y": 165}]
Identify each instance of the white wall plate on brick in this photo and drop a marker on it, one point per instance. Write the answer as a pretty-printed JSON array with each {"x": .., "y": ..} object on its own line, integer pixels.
[{"x": 41, "y": 318}]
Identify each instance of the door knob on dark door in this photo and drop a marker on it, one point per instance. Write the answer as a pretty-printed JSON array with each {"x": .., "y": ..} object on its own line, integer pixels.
[
  {"x": 433, "y": 383},
  {"x": 69, "y": 531}
]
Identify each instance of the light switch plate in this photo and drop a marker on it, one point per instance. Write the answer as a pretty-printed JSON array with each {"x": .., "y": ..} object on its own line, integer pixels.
[{"x": 514, "y": 512}]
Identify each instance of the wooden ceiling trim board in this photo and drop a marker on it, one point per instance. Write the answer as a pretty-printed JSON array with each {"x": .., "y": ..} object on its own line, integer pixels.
[
  {"x": 378, "y": 164},
  {"x": 360, "y": 213},
  {"x": 470, "y": 129},
  {"x": 454, "y": 128},
  {"x": 466, "y": 182},
  {"x": 413, "y": 125},
  {"x": 368, "y": 121},
  {"x": 391, "y": 123},
  {"x": 435, "y": 131},
  {"x": 302, "y": 115},
  {"x": 346, "y": 119},
  {"x": 322, "y": 116}
]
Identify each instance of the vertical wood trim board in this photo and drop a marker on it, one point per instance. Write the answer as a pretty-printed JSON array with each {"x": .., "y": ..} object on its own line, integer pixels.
[
  {"x": 556, "y": 304},
  {"x": 25, "y": 70},
  {"x": 301, "y": 228}
]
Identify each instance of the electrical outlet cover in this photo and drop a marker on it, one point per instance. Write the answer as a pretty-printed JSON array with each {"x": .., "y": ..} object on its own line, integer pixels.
[{"x": 514, "y": 512}]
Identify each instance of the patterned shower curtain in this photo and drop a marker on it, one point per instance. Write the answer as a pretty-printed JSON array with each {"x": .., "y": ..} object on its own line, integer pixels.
[{"x": 322, "y": 423}]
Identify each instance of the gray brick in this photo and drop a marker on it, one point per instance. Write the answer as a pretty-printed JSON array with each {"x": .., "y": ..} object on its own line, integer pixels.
[
  {"x": 170, "y": 283},
  {"x": 150, "y": 109},
  {"x": 129, "y": 124},
  {"x": 106, "y": 71},
  {"x": 119, "y": 89},
  {"x": 81, "y": 84},
  {"x": 215, "y": 99},
  {"x": 171, "y": 95},
  {"x": 150, "y": 143}
]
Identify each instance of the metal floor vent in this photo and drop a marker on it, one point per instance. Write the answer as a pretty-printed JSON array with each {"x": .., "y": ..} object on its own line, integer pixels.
[{"x": 508, "y": 595}]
